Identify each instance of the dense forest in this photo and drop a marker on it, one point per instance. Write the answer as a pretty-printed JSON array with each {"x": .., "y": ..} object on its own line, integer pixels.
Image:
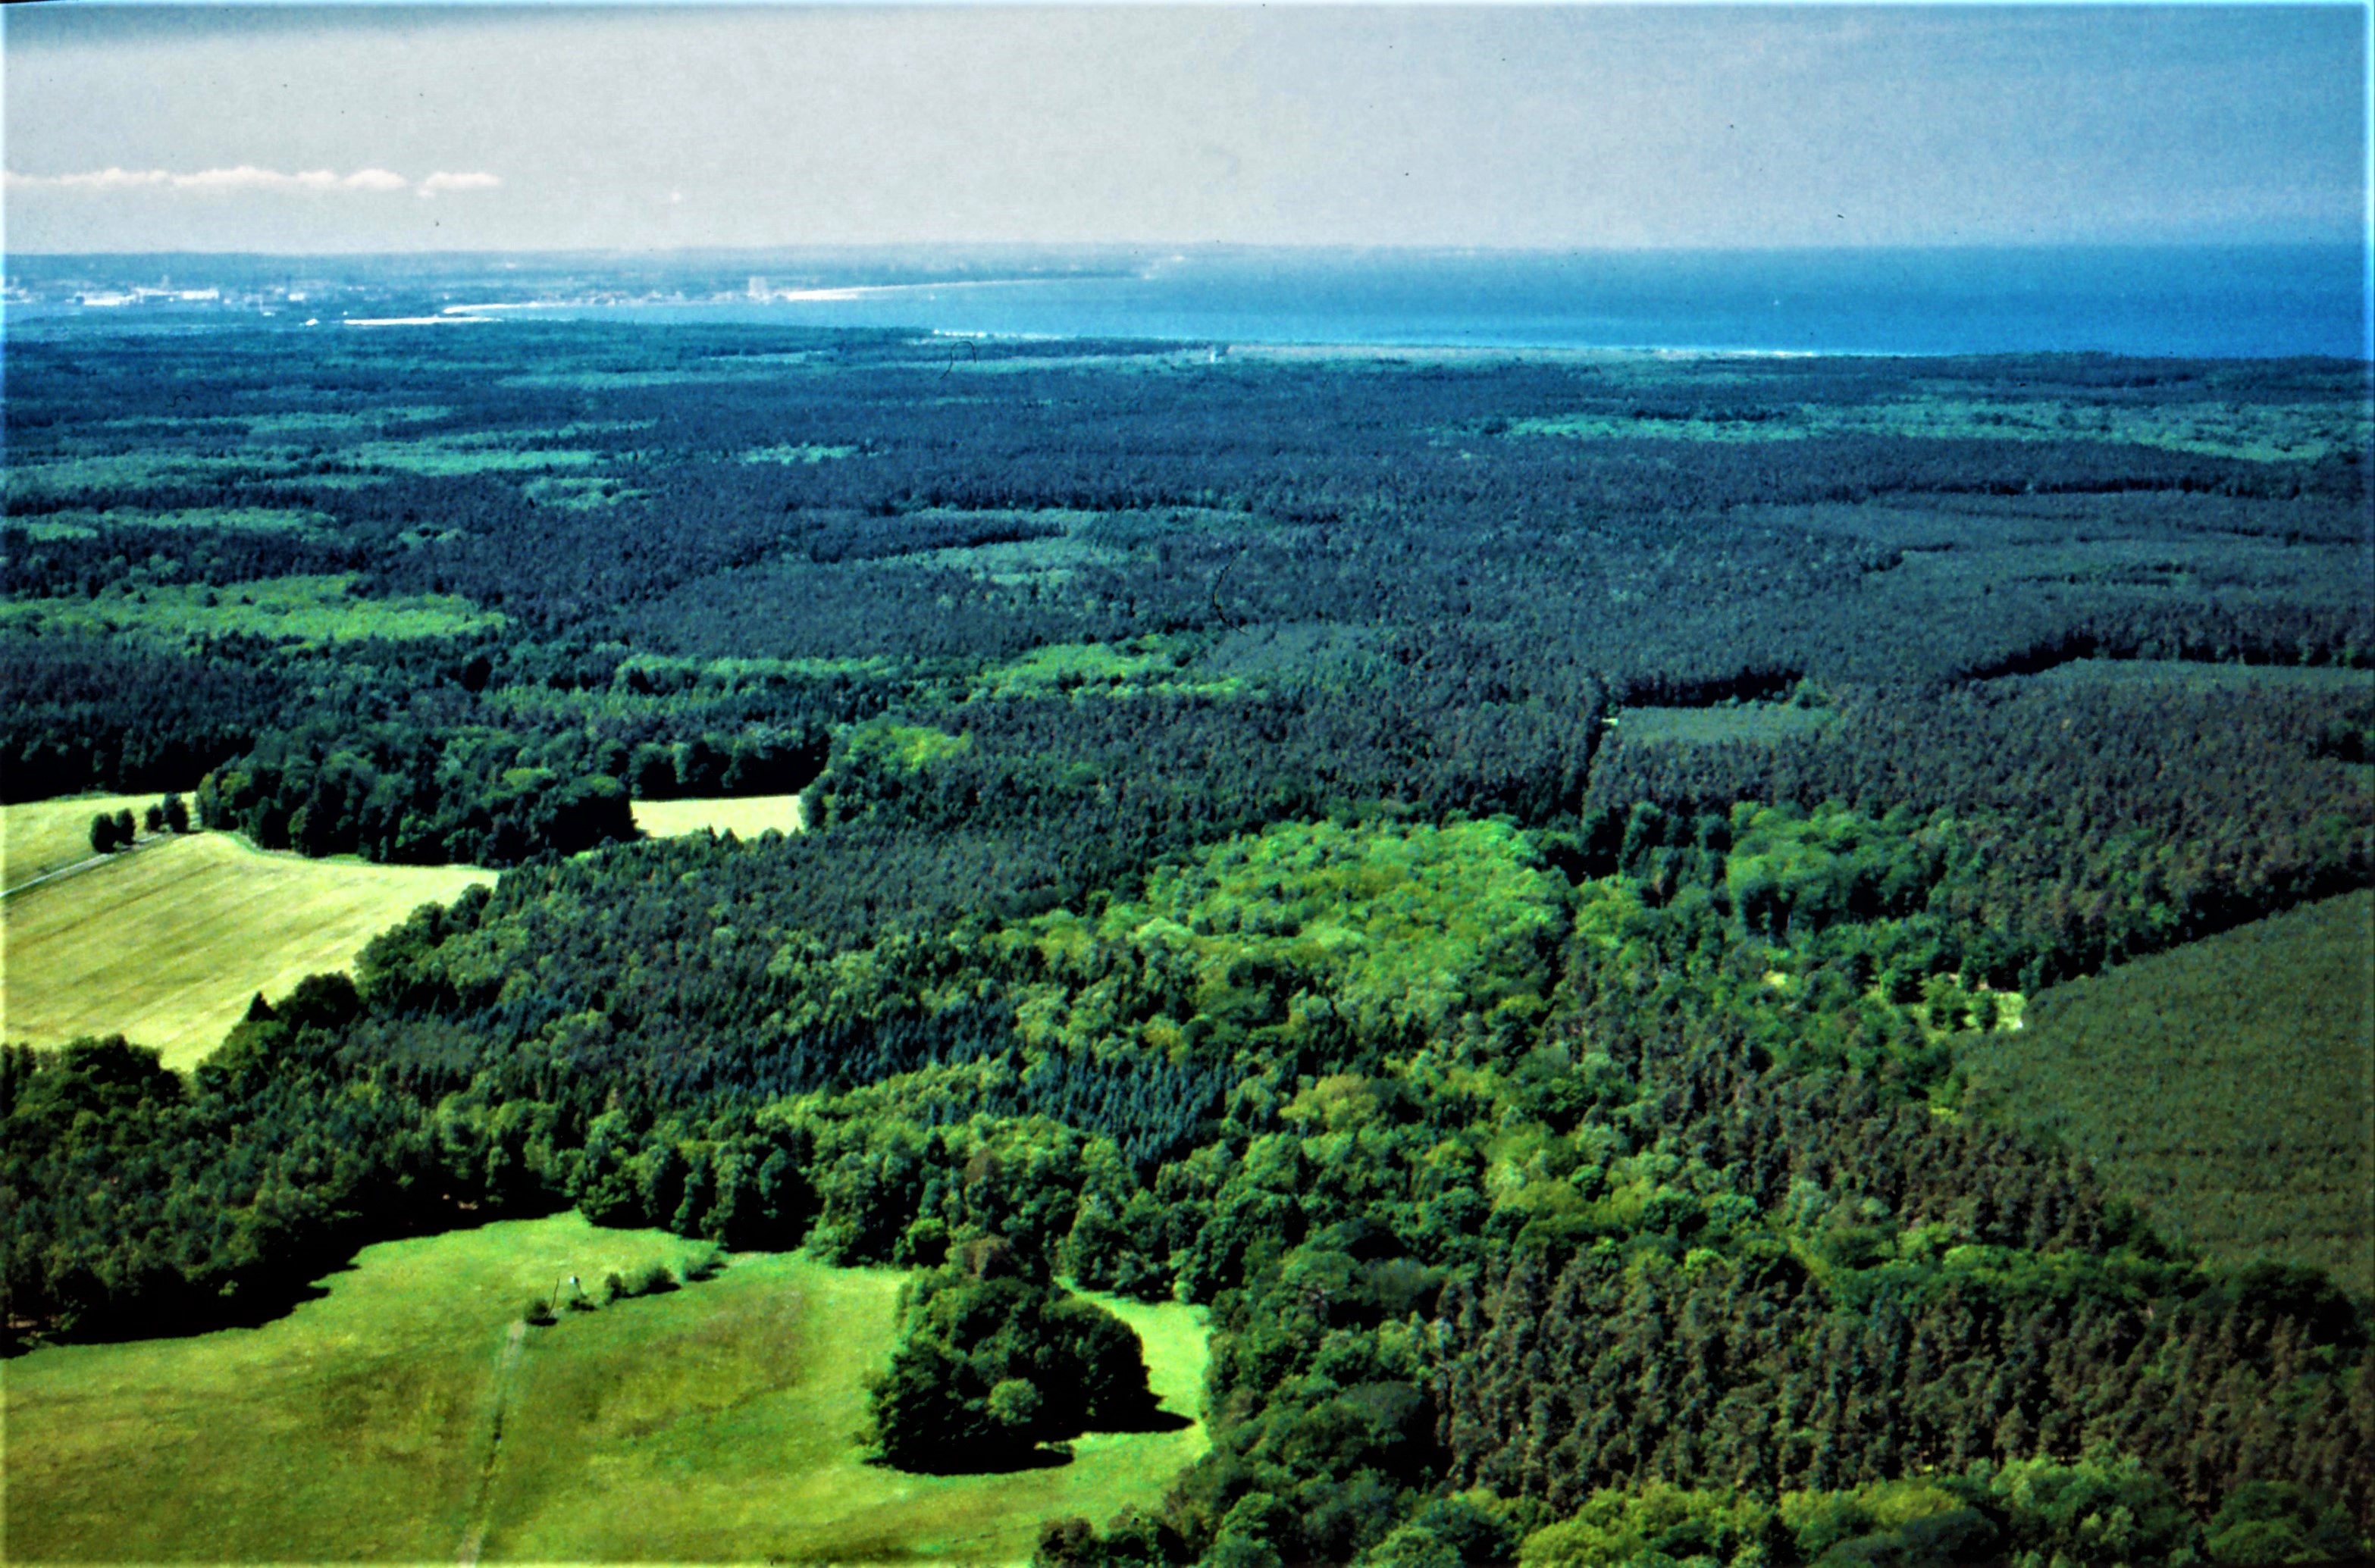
[{"x": 1479, "y": 872}]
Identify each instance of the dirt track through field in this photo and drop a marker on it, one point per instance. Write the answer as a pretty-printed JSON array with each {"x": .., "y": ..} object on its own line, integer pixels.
[
  {"x": 149, "y": 842},
  {"x": 506, "y": 1368}
]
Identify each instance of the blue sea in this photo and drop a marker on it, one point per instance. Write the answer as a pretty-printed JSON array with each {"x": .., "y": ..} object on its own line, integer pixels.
[
  {"x": 2250, "y": 302},
  {"x": 2259, "y": 302}
]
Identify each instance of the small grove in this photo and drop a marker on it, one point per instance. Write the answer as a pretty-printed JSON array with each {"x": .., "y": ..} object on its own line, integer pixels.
[{"x": 991, "y": 1363}]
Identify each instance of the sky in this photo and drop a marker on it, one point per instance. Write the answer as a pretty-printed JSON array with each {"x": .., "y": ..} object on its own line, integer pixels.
[{"x": 482, "y": 127}]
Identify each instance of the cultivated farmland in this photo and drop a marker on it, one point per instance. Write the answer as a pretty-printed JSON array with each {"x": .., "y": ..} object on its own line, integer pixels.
[
  {"x": 167, "y": 945},
  {"x": 746, "y": 817},
  {"x": 42, "y": 836}
]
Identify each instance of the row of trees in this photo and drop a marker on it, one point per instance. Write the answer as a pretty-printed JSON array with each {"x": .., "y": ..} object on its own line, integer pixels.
[{"x": 113, "y": 830}]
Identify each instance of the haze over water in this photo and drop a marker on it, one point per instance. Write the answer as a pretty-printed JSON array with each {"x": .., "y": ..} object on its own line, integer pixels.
[{"x": 2249, "y": 301}]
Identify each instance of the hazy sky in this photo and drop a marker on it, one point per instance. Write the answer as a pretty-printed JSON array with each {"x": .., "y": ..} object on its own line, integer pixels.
[{"x": 468, "y": 127}]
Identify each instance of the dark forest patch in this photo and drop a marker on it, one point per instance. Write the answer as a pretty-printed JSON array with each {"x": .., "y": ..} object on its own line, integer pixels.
[{"x": 2223, "y": 1085}]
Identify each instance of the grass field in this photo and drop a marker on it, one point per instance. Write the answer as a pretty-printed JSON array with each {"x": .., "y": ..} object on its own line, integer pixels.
[
  {"x": 2225, "y": 1085},
  {"x": 166, "y": 945},
  {"x": 2260, "y": 431},
  {"x": 40, "y": 836},
  {"x": 809, "y": 452},
  {"x": 706, "y": 1424},
  {"x": 309, "y": 611},
  {"x": 2197, "y": 676},
  {"x": 234, "y": 519},
  {"x": 744, "y": 815}
]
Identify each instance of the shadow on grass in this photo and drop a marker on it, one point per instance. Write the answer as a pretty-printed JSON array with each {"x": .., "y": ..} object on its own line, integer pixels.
[
  {"x": 1003, "y": 1461},
  {"x": 1011, "y": 1459},
  {"x": 143, "y": 1321},
  {"x": 260, "y": 1295},
  {"x": 1152, "y": 1419}
]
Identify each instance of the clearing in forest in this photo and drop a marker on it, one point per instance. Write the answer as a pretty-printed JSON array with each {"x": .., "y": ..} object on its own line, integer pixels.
[
  {"x": 2223, "y": 1085},
  {"x": 744, "y": 815},
  {"x": 165, "y": 945},
  {"x": 391, "y": 1419}
]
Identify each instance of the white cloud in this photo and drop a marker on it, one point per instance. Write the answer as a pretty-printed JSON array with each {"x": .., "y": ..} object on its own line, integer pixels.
[
  {"x": 99, "y": 179},
  {"x": 441, "y": 181},
  {"x": 247, "y": 178}
]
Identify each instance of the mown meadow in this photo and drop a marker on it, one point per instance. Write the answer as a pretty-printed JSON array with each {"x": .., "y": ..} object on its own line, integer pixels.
[
  {"x": 408, "y": 1413},
  {"x": 39, "y": 837},
  {"x": 169, "y": 942},
  {"x": 745, "y": 816}
]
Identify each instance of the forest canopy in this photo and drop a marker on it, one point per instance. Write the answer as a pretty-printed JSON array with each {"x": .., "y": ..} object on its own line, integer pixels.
[{"x": 1491, "y": 877}]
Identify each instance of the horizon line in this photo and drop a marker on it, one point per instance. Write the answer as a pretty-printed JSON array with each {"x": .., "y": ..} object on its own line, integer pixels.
[{"x": 2364, "y": 244}]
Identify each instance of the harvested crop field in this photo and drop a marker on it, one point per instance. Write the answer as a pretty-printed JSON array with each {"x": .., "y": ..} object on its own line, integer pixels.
[
  {"x": 745, "y": 816},
  {"x": 167, "y": 944}
]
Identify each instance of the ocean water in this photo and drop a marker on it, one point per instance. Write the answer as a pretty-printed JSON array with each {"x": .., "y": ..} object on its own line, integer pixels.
[
  {"x": 2250, "y": 302},
  {"x": 2257, "y": 301}
]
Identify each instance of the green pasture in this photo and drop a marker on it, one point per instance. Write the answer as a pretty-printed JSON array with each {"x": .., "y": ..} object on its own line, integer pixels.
[
  {"x": 447, "y": 455},
  {"x": 166, "y": 944},
  {"x": 2257, "y": 431},
  {"x": 1052, "y": 560},
  {"x": 2224, "y": 1085},
  {"x": 298, "y": 422},
  {"x": 271, "y": 455},
  {"x": 233, "y": 519},
  {"x": 292, "y": 422},
  {"x": 116, "y": 473},
  {"x": 809, "y": 452},
  {"x": 717, "y": 1422},
  {"x": 578, "y": 493},
  {"x": 744, "y": 815},
  {"x": 308, "y": 611},
  {"x": 2197, "y": 676},
  {"x": 1099, "y": 669}
]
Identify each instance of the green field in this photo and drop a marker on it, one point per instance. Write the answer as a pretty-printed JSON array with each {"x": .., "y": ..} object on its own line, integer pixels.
[
  {"x": 40, "y": 836},
  {"x": 234, "y": 519},
  {"x": 744, "y": 815},
  {"x": 2199, "y": 676},
  {"x": 308, "y": 611},
  {"x": 712, "y": 1423},
  {"x": 166, "y": 945},
  {"x": 802, "y": 452},
  {"x": 2225, "y": 1085},
  {"x": 2258, "y": 431}
]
